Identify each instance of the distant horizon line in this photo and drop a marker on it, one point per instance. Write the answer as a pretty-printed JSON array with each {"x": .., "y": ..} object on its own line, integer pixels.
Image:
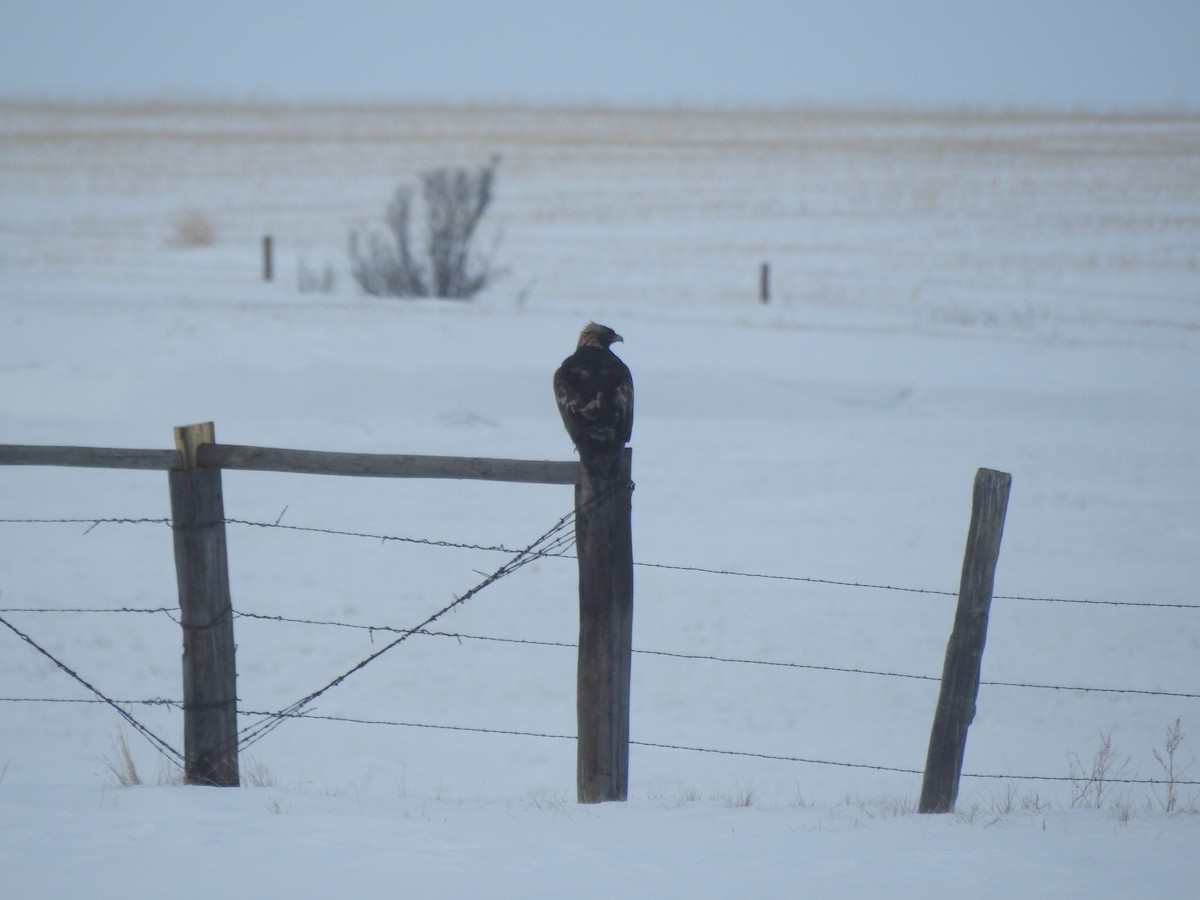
[{"x": 212, "y": 100}]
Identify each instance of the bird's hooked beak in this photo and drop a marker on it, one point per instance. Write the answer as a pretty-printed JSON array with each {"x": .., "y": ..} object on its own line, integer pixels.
[{"x": 617, "y": 338}]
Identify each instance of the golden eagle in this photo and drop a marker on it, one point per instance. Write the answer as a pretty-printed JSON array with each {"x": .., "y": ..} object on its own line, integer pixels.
[{"x": 594, "y": 392}]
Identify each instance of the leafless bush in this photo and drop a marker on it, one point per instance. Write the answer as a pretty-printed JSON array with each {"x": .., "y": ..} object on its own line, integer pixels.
[
  {"x": 455, "y": 201},
  {"x": 1171, "y": 799},
  {"x": 1091, "y": 786}
]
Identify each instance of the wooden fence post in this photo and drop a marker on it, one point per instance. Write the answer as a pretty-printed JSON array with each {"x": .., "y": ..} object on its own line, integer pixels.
[
  {"x": 764, "y": 283},
  {"x": 964, "y": 652},
  {"x": 206, "y": 614},
  {"x": 268, "y": 258},
  {"x": 604, "y": 544}
]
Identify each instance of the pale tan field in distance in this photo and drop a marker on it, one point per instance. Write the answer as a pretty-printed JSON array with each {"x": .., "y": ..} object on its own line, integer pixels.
[{"x": 942, "y": 219}]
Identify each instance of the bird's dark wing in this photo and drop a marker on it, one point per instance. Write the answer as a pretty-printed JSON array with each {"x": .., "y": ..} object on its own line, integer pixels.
[{"x": 623, "y": 401}]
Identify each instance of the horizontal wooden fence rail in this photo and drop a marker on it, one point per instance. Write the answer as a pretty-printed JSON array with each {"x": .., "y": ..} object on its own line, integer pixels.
[
  {"x": 317, "y": 462},
  {"x": 88, "y": 457},
  {"x": 306, "y": 462}
]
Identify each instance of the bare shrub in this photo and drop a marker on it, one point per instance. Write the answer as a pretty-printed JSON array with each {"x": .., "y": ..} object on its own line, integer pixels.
[
  {"x": 1092, "y": 785},
  {"x": 447, "y": 264},
  {"x": 191, "y": 228},
  {"x": 1171, "y": 799}
]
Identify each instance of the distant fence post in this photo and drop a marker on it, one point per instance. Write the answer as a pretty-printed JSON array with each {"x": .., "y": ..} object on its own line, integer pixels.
[
  {"x": 210, "y": 746},
  {"x": 268, "y": 261},
  {"x": 604, "y": 545},
  {"x": 764, "y": 282},
  {"x": 964, "y": 652}
]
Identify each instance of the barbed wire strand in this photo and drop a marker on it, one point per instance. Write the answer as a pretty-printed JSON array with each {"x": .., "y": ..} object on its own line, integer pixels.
[
  {"x": 172, "y": 612},
  {"x": 155, "y": 701},
  {"x": 158, "y": 743},
  {"x": 934, "y": 678},
  {"x": 559, "y": 553},
  {"x": 826, "y": 762},
  {"x": 461, "y": 636},
  {"x": 909, "y": 590},
  {"x": 381, "y": 538},
  {"x": 354, "y": 720},
  {"x": 93, "y": 523},
  {"x": 91, "y": 609},
  {"x": 278, "y": 525},
  {"x": 774, "y": 757}
]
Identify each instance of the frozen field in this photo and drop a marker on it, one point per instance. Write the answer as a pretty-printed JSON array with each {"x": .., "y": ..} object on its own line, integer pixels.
[{"x": 949, "y": 291}]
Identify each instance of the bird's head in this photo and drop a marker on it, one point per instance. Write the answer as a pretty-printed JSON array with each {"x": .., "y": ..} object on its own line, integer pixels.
[{"x": 594, "y": 335}]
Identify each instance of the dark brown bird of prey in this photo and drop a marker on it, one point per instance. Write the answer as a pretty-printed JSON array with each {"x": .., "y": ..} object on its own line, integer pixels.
[{"x": 594, "y": 392}]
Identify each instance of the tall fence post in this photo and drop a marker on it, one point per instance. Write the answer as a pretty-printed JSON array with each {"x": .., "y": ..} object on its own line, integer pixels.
[
  {"x": 604, "y": 545},
  {"x": 764, "y": 283},
  {"x": 206, "y": 615},
  {"x": 964, "y": 652}
]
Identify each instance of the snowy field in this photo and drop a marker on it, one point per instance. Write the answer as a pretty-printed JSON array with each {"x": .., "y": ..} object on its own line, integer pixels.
[{"x": 949, "y": 292}]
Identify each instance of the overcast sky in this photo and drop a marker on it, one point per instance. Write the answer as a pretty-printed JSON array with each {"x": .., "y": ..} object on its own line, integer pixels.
[{"x": 1063, "y": 54}]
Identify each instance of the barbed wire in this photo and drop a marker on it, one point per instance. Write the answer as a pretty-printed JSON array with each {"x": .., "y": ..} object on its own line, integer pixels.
[
  {"x": 172, "y": 755},
  {"x": 384, "y": 538},
  {"x": 656, "y": 745},
  {"x": 908, "y": 590},
  {"x": 750, "y": 754},
  {"x": 560, "y": 552},
  {"x": 154, "y": 701},
  {"x": 915, "y": 677},
  {"x": 671, "y": 654},
  {"x": 90, "y": 609},
  {"x": 462, "y": 636},
  {"x": 93, "y": 523},
  {"x": 353, "y": 720}
]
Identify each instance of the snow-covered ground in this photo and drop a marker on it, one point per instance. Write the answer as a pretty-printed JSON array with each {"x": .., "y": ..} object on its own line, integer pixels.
[{"x": 948, "y": 292}]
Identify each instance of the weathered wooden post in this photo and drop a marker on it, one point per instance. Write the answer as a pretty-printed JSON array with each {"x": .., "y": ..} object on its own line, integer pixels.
[
  {"x": 268, "y": 258},
  {"x": 764, "y": 283},
  {"x": 210, "y": 746},
  {"x": 964, "y": 652},
  {"x": 604, "y": 544}
]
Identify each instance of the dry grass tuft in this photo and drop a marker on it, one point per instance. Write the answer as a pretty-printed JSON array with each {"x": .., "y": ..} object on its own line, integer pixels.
[{"x": 191, "y": 228}]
